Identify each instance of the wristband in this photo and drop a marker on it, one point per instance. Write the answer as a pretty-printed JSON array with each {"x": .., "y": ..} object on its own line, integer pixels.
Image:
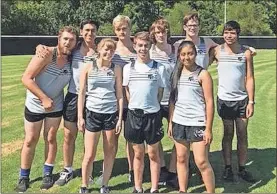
[{"x": 251, "y": 102}]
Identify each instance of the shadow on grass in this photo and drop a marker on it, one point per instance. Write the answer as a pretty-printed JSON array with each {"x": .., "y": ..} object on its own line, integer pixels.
[{"x": 261, "y": 164}]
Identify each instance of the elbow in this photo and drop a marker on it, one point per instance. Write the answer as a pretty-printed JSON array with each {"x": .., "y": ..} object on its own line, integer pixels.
[{"x": 24, "y": 80}]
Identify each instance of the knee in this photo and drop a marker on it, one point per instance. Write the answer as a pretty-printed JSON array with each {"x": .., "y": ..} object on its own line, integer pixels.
[
  {"x": 139, "y": 155},
  {"x": 202, "y": 164},
  {"x": 30, "y": 141},
  {"x": 154, "y": 155},
  {"x": 51, "y": 138},
  {"x": 182, "y": 159},
  {"x": 69, "y": 137}
]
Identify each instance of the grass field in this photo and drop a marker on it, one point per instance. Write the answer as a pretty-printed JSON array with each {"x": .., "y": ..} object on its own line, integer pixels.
[{"x": 261, "y": 136}]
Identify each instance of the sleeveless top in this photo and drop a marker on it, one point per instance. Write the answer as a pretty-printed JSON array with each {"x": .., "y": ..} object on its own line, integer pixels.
[
  {"x": 168, "y": 62},
  {"x": 51, "y": 81},
  {"x": 190, "y": 107},
  {"x": 231, "y": 75},
  {"x": 101, "y": 94}
]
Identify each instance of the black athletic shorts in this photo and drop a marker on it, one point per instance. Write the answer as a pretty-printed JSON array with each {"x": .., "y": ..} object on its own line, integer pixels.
[
  {"x": 232, "y": 109},
  {"x": 70, "y": 110},
  {"x": 95, "y": 122},
  {"x": 165, "y": 111},
  {"x": 34, "y": 117},
  {"x": 142, "y": 127},
  {"x": 187, "y": 133}
]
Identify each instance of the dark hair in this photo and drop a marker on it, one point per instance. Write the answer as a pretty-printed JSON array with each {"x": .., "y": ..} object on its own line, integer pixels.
[
  {"x": 82, "y": 24},
  {"x": 176, "y": 74},
  {"x": 89, "y": 21},
  {"x": 232, "y": 25},
  {"x": 190, "y": 16}
]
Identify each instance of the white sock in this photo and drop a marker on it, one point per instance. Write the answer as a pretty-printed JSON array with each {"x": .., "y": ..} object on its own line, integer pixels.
[
  {"x": 139, "y": 189},
  {"x": 151, "y": 190},
  {"x": 69, "y": 169},
  {"x": 48, "y": 164}
]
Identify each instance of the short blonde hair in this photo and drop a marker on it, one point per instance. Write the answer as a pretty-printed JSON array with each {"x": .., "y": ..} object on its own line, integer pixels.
[
  {"x": 110, "y": 43},
  {"x": 122, "y": 19}
]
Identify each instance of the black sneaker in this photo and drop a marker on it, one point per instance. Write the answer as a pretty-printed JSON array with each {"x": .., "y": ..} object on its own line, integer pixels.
[
  {"x": 131, "y": 176},
  {"x": 247, "y": 176},
  {"x": 228, "y": 174},
  {"x": 23, "y": 184},
  {"x": 136, "y": 191},
  {"x": 47, "y": 182},
  {"x": 83, "y": 190},
  {"x": 172, "y": 181},
  {"x": 65, "y": 176},
  {"x": 163, "y": 177}
]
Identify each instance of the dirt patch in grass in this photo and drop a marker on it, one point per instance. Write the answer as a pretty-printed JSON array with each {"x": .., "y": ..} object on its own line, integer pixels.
[{"x": 11, "y": 147}]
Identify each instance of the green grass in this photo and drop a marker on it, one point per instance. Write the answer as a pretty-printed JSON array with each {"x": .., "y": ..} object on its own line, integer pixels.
[{"x": 261, "y": 135}]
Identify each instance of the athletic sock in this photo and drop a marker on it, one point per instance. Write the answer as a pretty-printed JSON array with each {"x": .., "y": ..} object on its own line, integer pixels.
[
  {"x": 163, "y": 168},
  {"x": 69, "y": 169},
  {"x": 25, "y": 172},
  {"x": 48, "y": 168},
  {"x": 241, "y": 168},
  {"x": 228, "y": 166}
]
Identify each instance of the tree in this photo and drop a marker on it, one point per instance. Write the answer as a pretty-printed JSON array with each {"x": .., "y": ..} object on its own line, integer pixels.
[{"x": 251, "y": 17}]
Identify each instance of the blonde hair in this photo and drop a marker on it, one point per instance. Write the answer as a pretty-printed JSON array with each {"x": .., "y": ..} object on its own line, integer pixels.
[
  {"x": 122, "y": 19},
  {"x": 142, "y": 36},
  {"x": 110, "y": 43},
  {"x": 163, "y": 25}
]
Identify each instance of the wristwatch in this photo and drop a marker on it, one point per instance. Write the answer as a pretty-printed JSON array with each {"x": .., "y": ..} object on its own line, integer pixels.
[{"x": 251, "y": 102}]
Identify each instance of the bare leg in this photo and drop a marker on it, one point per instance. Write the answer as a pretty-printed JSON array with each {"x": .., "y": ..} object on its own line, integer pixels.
[
  {"x": 32, "y": 133},
  {"x": 138, "y": 164},
  {"x": 242, "y": 144},
  {"x": 70, "y": 134},
  {"x": 201, "y": 157},
  {"x": 227, "y": 141},
  {"x": 154, "y": 157},
  {"x": 91, "y": 141},
  {"x": 183, "y": 151},
  {"x": 51, "y": 126},
  {"x": 109, "y": 147}
]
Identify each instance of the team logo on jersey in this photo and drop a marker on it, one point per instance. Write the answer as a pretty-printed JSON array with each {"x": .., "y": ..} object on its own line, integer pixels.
[
  {"x": 201, "y": 52},
  {"x": 152, "y": 76},
  {"x": 240, "y": 58},
  {"x": 110, "y": 73},
  {"x": 191, "y": 78}
]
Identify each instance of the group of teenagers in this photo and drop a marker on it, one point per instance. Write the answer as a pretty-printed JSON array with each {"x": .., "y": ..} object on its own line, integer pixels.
[{"x": 134, "y": 85}]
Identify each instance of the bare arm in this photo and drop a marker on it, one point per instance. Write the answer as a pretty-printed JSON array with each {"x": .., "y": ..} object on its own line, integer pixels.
[
  {"x": 250, "y": 83},
  {"x": 82, "y": 94},
  {"x": 43, "y": 51},
  {"x": 127, "y": 93},
  {"x": 35, "y": 66},
  {"x": 160, "y": 94},
  {"x": 207, "y": 85},
  {"x": 119, "y": 95},
  {"x": 170, "y": 116},
  {"x": 213, "y": 55}
]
